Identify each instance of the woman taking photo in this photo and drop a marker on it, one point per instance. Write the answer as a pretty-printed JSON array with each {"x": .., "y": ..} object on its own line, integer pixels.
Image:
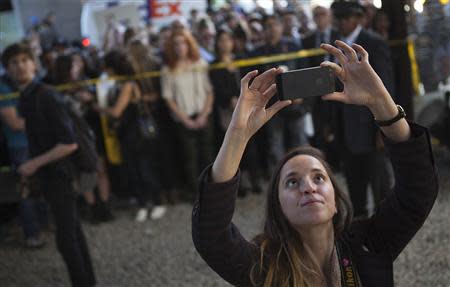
[
  {"x": 187, "y": 90},
  {"x": 309, "y": 238}
]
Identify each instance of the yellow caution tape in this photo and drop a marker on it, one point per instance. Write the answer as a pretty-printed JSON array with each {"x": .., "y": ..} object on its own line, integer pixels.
[
  {"x": 238, "y": 63},
  {"x": 415, "y": 75},
  {"x": 112, "y": 145}
]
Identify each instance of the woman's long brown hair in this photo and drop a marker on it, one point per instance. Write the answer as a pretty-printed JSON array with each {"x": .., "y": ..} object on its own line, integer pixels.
[
  {"x": 284, "y": 260},
  {"x": 169, "y": 48},
  {"x": 143, "y": 61}
]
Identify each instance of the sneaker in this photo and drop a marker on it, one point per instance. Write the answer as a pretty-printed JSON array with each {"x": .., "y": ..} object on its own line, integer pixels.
[
  {"x": 141, "y": 215},
  {"x": 158, "y": 212},
  {"x": 34, "y": 242}
]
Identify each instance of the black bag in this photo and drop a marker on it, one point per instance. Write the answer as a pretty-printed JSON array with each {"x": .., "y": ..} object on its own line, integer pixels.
[
  {"x": 85, "y": 158},
  {"x": 144, "y": 120}
]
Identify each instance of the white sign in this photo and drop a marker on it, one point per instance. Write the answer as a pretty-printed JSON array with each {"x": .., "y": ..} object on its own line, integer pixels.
[{"x": 163, "y": 12}]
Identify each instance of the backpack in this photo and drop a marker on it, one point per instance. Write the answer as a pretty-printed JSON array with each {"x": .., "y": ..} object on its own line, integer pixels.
[{"x": 85, "y": 158}]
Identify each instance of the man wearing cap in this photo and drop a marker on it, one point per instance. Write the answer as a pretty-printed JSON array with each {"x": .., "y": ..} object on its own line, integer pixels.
[{"x": 355, "y": 128}]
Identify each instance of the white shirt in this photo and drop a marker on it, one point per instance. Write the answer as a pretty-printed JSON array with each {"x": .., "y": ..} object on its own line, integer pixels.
[
  {"x": 350, "y": 39},
  {"x": 189, "y": 89},
  {"x": 326, "y": 36}
]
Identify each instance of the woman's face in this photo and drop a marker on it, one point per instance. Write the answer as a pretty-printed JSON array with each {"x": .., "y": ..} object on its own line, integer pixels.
[
  {"x": 181, "y": 46},
  {"x": 77, "y": 68},
  {"x": 305, "y": 192},
  {"x": 225, "y": 43}
]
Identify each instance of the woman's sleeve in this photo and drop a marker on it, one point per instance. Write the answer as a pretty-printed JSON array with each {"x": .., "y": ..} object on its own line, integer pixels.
[
  {"x": 404, "y": 210},
  {"x": 215, "y": 237},
  {"x": 205, "y": 80},
  {"x": 166, "y": 86}
]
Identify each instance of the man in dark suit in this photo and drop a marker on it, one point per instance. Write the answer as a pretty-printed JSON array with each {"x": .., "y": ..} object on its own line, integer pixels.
[
  {"x": 356, "y": 131},
  {"x": 322, "y": 111},
  {"x": 324, "y": 33},
  {"x": 285, "y": 130}
]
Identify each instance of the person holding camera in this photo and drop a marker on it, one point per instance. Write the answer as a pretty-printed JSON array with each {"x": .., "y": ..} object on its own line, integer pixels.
[{"x": 309, "y": 237}]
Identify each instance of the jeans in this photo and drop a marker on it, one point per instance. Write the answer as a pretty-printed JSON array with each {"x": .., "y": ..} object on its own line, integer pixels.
[
  {"x": 33, "y": 213},
  {"x": 198, "y": 149},
  {"x": 142, "y": 170}
]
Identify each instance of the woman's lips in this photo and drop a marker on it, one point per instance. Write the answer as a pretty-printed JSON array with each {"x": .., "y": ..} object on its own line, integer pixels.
[{"x": 310, "y": 202}]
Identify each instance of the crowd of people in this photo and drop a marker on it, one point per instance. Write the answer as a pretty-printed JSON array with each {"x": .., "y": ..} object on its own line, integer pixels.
[{"x": 190, "y": 107}]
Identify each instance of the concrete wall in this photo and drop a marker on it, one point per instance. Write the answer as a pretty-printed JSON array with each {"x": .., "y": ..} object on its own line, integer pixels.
[{"x": 67, "y": 13}]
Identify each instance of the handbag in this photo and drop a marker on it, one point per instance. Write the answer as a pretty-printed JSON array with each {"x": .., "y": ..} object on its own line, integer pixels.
[{"x": 146, "y": 122}]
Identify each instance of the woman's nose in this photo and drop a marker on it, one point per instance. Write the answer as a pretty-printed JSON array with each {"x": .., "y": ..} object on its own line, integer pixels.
[{"x": 307, "y": 186}]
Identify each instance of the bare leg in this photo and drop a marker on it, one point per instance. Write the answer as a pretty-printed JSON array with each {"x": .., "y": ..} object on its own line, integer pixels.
[{"x": 104, "y": 186}]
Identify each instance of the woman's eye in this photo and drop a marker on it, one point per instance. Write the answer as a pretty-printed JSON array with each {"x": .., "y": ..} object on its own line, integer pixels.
[
  {"x": 291, "y": 183},
  {"x": 319, "y": 177}
]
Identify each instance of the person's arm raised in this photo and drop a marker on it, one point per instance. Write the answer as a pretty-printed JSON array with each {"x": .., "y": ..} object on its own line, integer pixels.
[
  {"x": 249, "y": 116},
  {"x": 362, "y": 86}
]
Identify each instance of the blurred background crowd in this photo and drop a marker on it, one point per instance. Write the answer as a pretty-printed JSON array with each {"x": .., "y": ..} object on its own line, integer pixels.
[{"x": 189, "y": 104}]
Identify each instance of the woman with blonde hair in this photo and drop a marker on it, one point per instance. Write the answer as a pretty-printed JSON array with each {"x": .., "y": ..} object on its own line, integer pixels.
[
  {"x": 309, "y": 238},
  {"x": 187, "y": 90}
]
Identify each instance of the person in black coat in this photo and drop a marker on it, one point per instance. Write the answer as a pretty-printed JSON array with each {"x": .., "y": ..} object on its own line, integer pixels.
[
  {"x": 323, "y": 112},
  {"x": 355, "y": 129},
  {"x": 287, "y": 129},
  {"x": 309, "y": 237}
]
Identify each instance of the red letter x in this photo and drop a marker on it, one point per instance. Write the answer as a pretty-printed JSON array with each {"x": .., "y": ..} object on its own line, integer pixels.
[{"x": 174, "y": 8}]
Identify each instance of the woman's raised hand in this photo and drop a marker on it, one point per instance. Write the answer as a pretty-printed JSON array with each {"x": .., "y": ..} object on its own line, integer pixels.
[
  {"x": 362, "y": 85},
  {"x": 251, "y": 113}
]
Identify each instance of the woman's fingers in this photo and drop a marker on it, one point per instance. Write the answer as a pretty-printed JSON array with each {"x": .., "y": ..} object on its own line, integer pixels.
[
  {"x": 267, "y": 84},
  {"x": 349, "y": 52},
  {"x": 247, "y": 78},
  {"x": 335, "y": 52},
  {"x": 262, "y": 79},
  {"x": 337, "y": 70},
  {"x": 269, "y": 93},
  {"x": 362, "y": 52},
  {"x": 275, "y": 108},
  {"x": 339, "y": 97}
]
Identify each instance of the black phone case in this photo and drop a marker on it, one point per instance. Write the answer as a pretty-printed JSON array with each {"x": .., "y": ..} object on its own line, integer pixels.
[{"x": 305, "y": 83}]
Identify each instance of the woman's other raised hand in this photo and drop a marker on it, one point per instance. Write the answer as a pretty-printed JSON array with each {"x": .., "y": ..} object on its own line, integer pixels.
[{"x": 251, "y": 113}]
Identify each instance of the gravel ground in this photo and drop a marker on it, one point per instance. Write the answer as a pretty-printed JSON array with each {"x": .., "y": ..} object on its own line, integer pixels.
[{"x": 161, "y": 253}]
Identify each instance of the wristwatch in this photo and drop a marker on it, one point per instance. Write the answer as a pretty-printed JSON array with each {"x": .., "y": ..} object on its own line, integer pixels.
[{"x": 401, "y": 114}]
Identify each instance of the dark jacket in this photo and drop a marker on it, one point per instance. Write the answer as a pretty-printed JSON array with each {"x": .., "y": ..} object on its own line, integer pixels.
[
  {"x": 323, "y": 112},
  {"x": 312, "y": 41},
  {"x": 358, "y": 129},
  {"x": 47, "y": 124},
  {"x": 374, "y": 243}
]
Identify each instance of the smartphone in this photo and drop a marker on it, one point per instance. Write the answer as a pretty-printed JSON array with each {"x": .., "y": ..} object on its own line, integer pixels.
[{"x": 305, "y": 83}]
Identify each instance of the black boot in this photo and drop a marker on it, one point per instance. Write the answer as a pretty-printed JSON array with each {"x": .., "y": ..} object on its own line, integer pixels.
[{"x": 104, "y": 213}]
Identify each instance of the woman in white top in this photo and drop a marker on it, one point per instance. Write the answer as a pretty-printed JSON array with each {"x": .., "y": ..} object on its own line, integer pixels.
[{"x": 188, "y": 92}]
